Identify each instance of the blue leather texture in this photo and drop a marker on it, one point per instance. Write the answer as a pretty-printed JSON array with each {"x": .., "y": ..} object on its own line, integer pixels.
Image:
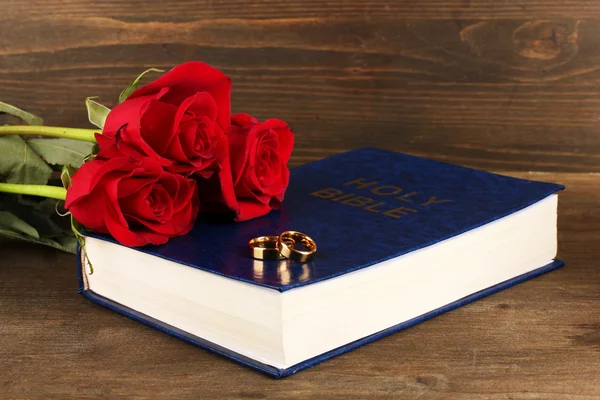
[
  {"x": 280, "y": 373},
  {"x": 361, "y": 207}
]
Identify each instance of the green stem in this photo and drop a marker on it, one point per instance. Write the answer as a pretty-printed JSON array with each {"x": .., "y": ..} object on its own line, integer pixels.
[
  {"x": 85, "y": 135},
  {"x": 53, "y": 192}
]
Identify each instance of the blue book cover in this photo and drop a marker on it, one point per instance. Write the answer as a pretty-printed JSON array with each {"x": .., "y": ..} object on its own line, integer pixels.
[{"x": 348, "y": 200}]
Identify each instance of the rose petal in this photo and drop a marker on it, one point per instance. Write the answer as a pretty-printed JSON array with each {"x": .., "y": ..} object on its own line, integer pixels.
[
  {"x": 243, "y": 120},
  {"x": 88, "y": 175},
  {"x": 121, "y": 232},
  {"x": 157, "y": 126},
  {"x": 250, "y": 209},
  {"x": 189, "y": 78},
  {"x": 238, "y": 148},
  {"x": 89, "y": 211},
  {"x": 136, "y": 204}
]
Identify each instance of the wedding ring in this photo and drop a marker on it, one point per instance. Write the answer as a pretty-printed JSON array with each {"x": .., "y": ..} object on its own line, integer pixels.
[
  {"x": 265, "y": 248},
  {"x": 286, "y": 244}
]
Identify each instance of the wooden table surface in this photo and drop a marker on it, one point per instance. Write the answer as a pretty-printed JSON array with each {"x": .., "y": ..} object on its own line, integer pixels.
[{"x": 510, "y": 86}]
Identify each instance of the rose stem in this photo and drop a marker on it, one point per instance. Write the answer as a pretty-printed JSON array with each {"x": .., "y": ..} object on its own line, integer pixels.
[
  {"x": 85, "y": 135},
  {"x": 53, "y": 192}
]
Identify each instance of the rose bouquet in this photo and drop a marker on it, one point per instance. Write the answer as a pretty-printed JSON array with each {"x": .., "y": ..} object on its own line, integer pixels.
[{"x": 168, "y": 152}]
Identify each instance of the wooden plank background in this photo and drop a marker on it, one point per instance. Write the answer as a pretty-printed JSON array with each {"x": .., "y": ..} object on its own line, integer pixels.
[
  {"x": 491, "y": 84},
  {"x": 510, "y": 85}
]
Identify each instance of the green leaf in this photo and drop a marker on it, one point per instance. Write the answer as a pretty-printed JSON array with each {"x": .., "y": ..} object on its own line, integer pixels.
[
  {"x": 97, "y": 112},
  {"x": 20, "y": 164},
  {"x": 62, "y": 151},
  {"x": 92, "y": 155},
  {"x": 64, "y": 243},
  {"x": 68, "y": 243},
  {"x": 28, "y": 118},
  {"x": 10, "y": 221},
  {"x": 135, "y": 84},
  {"x": 39, "y": 217},
  {"x": 65, "y": 175},
  {"x": 47, "y": 206}
]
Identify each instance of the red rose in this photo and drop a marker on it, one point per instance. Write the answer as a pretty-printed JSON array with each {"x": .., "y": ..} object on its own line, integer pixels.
[
  {"x": 259, "y": 154},
  {"x": 136, "y": 201},
  {"x": 180, "y": 120}
]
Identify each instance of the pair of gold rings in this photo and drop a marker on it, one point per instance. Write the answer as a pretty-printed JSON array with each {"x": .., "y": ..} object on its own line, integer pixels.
[{"x": 283, "y": 246}]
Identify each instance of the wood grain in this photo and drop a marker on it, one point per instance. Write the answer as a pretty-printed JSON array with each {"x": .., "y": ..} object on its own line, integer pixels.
[
  {"x": 538, "y": 340},
  {"x": 185, "y": 10},
  {"x": 499, "y": 85}
]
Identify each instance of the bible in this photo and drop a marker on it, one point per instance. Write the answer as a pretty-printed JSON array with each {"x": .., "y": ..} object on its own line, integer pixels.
[{"x": 400, "y": 240}]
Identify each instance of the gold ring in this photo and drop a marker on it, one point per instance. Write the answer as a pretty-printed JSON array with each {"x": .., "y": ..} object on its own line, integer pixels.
[
  {"x": 286, "y": 244},
  {"x": 264, "y": 248}
]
